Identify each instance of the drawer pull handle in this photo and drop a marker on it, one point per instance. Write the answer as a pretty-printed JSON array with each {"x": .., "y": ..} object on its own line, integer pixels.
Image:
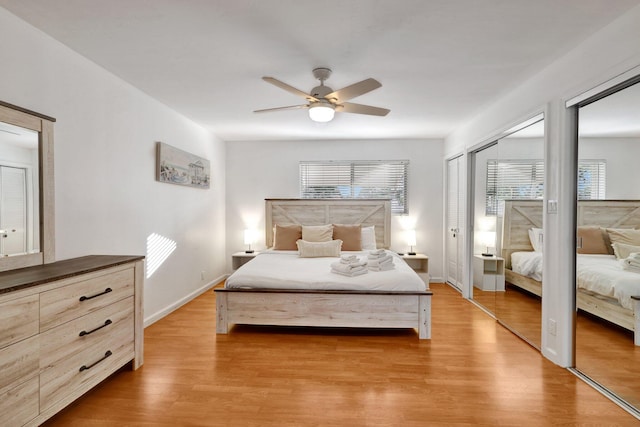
[
  {"x": 85, "y": 367},
  {"x": 106, "y": 291},
  {"x": 106, "y": 323}
]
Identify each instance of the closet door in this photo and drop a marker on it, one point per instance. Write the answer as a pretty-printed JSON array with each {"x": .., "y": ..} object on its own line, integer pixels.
[
  {"x": 454, "y": 244},
  {"x": 13, "y": 215}
]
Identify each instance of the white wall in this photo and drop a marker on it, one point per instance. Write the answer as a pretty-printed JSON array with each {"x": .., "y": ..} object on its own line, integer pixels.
[
  {"x": 107, "y": 199},
  {"x": 269, "y": 169},
  {"x": 606, "y": 54},
  {"x": 622, "y": 174}
]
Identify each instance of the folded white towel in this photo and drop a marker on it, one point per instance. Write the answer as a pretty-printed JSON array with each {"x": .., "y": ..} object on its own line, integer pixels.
[
  {"x": 382, "y": 260},
  {"x": 347, "y": 268},
  {"x": 633, "y": 263},
  {"x": 356, "y": 263},
  {"x": 630, "y": 265},
  {"x": 382, "y": 267},
  {"x": 348, "y": 257},
  {"x": 376, "y": 254},
  {"x": 350, "y": 274}
]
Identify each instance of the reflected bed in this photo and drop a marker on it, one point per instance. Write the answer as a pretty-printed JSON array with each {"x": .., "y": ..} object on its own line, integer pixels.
[{"x": 605, "y": 289}]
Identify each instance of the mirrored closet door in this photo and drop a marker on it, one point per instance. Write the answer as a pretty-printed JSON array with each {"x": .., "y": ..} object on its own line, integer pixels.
[
  {"x": 608, "y": 233},
  {"x": 507, "y": 260}
]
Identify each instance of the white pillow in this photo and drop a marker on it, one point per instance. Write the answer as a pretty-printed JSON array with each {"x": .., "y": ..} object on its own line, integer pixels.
[
  {"x": 319, "y": 249},
  {"x": 535, "y": 237},
  {"x": 622, "y": 250},
  {"x": 369, "y": 238},
  {"x": 317, "y": 233}
]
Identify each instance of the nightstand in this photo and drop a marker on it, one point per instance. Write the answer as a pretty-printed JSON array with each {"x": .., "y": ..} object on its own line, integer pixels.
[
  {"x": 239, "y": 259},
  {"x": 420, "y": 263},
  {"x": 488, "y": 273}
]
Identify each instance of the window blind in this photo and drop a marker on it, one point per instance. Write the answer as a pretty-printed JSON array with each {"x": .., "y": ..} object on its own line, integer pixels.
[
  {"x": 524, "y": 180},
  {"x": 592, "y": 179},
  {"x": 356, "y": 179}
]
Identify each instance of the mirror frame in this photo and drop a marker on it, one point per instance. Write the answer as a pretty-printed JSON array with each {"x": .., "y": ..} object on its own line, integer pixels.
[{"x": 44, "y": 126}]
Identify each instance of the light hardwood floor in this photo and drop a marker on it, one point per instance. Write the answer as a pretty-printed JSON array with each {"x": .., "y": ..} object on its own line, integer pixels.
[{"x": 473, "y": 372}]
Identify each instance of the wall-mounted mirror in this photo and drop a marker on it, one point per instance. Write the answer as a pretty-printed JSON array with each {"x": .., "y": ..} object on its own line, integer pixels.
[
  {"x": 608, "y": 223},
  {"x": 26, "y": 188}
]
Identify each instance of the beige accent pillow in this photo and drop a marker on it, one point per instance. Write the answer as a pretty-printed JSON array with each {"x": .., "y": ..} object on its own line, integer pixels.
[
  {"x": 623, "y": 235},
  {"x": 286, "y": 236},
  {"x": 319, "y": 249},
  {"x": 317, "y": 233},
  {"x": 350, "y": 234},
  {"x": 592, "y": 240},
  {"x": 623, "y": 250}
]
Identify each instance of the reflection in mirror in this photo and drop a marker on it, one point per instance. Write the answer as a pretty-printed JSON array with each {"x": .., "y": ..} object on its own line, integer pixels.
[
  {"x": 508, "y": 192},
  {"x": 519, "y": 194},
  {"x": 484, "y": 265},
  {"x": 19, "y": 191},
  {"x": 608, "y": 209},
  {"x": 27, "y": 217}
]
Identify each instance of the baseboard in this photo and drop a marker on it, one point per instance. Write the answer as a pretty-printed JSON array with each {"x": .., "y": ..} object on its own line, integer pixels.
[
  {"x": 437, "y": 280},
  {"x": 176, "y": 305}
]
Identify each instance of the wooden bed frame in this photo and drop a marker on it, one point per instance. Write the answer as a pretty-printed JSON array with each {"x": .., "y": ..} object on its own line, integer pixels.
[
  {"x": 521, "y": 215},
  {"x": 356, "y": 309}
]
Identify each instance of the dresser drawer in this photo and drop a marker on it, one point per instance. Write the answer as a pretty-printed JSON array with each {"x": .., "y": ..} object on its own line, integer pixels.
[
  {"x": 20, "y": 404},
  {"x": 70, "y": 363},
  {"x": 19, "y": 319},
  {"x": 18, "y": 362},
  {"x": 65, "y": 341},
  {"x": 66, "y": 303}
]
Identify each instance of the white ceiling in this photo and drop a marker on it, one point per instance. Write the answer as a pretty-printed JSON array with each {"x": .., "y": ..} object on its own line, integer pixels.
[{"x": 439, "y": 61}]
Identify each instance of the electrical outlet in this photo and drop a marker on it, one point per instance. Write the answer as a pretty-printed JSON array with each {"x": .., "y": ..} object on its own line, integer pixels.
[
  {"x": 202, "y": 275},
  {"x": 553, "y": 327}
]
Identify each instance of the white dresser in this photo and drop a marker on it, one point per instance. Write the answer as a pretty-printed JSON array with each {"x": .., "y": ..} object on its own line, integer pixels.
[{"x": 66, "y": 326}]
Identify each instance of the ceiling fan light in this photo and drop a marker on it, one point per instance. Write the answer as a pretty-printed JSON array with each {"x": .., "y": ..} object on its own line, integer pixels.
[{"x": 321, "y": 113}]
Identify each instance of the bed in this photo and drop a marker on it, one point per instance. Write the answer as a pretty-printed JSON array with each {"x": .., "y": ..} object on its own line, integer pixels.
[
  {"x": 604, "y": 289},
  {"x": 303, "y": 296}
]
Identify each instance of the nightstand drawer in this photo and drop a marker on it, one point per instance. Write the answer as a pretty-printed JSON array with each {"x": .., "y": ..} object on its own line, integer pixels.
[
  {"x": 19, "y": 319},
  {"x": 61, "y": 305}
]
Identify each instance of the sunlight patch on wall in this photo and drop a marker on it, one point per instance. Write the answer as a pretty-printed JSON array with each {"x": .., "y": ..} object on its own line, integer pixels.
[{"x": 158, "y": 250}]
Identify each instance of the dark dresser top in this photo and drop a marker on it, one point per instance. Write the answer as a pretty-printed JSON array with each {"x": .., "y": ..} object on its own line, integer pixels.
[{"x": 22, "y": 278}]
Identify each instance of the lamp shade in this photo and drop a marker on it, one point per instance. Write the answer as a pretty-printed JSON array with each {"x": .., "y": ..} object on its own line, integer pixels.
[
  {"x": 248, "y": 237},
  {"x": 321, "y": 113},
  {"x": 488, "y": 238},
  {"x": 411, "y": 237}
]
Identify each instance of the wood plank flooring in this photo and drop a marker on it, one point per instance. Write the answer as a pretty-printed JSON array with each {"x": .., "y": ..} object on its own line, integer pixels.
[
  {"x": 604, "y": 352},
  {"x": 472, "y": 373}
]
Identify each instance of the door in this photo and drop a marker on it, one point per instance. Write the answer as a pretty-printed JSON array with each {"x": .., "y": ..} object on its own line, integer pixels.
[
  {"x": 13, "y": 211},
  {"x": 453, "y": 242}
]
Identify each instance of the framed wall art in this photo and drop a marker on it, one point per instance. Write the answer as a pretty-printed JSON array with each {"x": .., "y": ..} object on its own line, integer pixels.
[{"x": 175, "y": 166}]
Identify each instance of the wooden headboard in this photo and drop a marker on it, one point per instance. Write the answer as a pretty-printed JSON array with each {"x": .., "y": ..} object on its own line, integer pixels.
[
  {"x": 330, "y": 211},
  {"x": 521, "y": 215}
]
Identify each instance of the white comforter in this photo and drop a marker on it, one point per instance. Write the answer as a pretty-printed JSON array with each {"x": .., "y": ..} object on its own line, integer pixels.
[
  {"x": 600, "y": 274},
  {"x": 286, "y": 270}
]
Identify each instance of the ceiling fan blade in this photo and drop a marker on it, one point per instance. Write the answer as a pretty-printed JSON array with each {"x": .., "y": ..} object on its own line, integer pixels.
[
  {"x": 289, "y": 89},
  {"x": 349, "y": 107},
  {"x": 290, "y": 107},
  {"x": 356, "y": 89}
]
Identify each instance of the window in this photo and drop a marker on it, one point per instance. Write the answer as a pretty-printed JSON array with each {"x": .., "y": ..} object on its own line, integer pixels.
[
  {"x": 356, "y": 179},
  {"x": 524, "y": 180}
]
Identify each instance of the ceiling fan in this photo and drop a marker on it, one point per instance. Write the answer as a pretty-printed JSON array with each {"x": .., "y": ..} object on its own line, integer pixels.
[{"x": 323, "y": 101}]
